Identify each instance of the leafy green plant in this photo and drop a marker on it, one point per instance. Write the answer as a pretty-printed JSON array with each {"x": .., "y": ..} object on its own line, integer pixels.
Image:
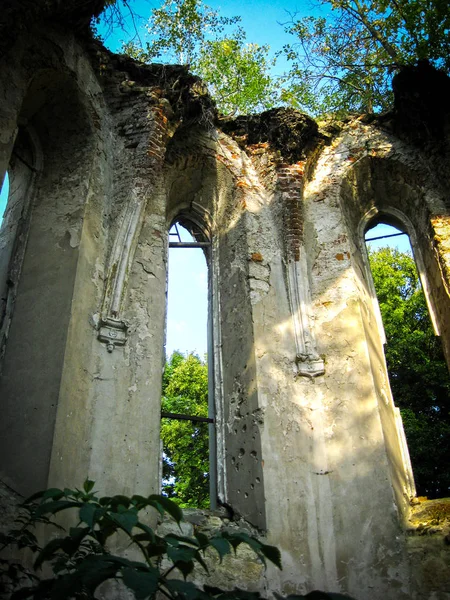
[{"x": 80, "y": 561}]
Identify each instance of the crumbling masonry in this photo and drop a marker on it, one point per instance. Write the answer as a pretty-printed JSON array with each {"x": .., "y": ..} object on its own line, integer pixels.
[{"x": 103, "y": 154}]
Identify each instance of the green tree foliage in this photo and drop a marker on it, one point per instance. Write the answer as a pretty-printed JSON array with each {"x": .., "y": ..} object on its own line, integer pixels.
[
  {"x": 417, "y": 369},
  {"x": 185, "y": 443},
  {"x": 190, "y": 32},
  {"x": 344, "y": 60},
  {"x": 237, "y": 73}
]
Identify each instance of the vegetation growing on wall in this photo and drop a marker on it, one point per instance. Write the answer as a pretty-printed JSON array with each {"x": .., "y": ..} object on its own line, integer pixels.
[
  {"x": 344, "y": 61},
  {"x": 341, "y": 61},
  {"x": 190, "y": 32},
  {"x": 417, "y": 369}
]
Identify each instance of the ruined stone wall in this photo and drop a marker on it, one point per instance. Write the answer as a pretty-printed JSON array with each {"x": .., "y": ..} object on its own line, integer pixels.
[
  {"x": 310, "y": 451},
  {"x": 41, "y": 274}
]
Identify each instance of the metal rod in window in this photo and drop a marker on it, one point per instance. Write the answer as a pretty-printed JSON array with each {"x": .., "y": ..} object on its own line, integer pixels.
[
  {"x": 194, "y": 418},
  {"x": 382, "y": 237},
  {"x": 189, "y": 244}
]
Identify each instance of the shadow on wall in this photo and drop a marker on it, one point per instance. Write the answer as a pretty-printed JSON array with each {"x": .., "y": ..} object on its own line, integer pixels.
[{"x": 40, "y": 236}]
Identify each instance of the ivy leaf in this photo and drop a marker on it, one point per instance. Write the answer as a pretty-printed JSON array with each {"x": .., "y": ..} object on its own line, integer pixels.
[
  {"x": 186, "y": 590},
  {"x": 139, "y": 501},
  {"x": 163, "y": 504},
  {"x": 185, "y": 568},
  {"x": 157, "y": 548},
  {"x": 89, "y": 513},
  {"x": 273, "y": 554},
  {"x": 127, "y": 519},
  {"x": 142, "y": 583},
  {"x": 120, "y": 500},
  {"x": 52, "y": 493},
  {"x": 54, "y": 507},
  {"x": 88, "y": 485},
  {"x": 34, "y": 497},
  {"x": 150, "y": 534},
  {"x": 180, "y": 553},
  {"x": 203, "y": 540},
  {"x": 221, "y": 545},
  {"x": 99, "y": 573},
  {"x": 48, "y": 552},
  {"x": 200, "y": 560},
  {"x": 73, "y": 540},
  {"x": 235, "y": 539}
]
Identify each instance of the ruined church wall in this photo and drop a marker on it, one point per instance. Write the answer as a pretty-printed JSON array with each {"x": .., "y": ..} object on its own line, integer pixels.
[
  {"x": 308, "y": 444},
  {"x": 46, "y": 98},
  {"x": 329, "y": 505},
  {"x": 346, "y": 186}
]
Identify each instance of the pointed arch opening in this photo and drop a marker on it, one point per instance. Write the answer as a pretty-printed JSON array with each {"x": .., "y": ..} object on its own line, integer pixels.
[
  {"x": 416, "y": 365},
  {"x": 188, "y": 412}
]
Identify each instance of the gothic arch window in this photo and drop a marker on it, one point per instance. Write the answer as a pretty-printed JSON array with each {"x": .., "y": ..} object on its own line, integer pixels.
[
  {"x": 188, "y": 409},
  {"x": 202, "y": 190},
  {"x": 416, "y": 365},
  {"x": 15, "y": 213}
]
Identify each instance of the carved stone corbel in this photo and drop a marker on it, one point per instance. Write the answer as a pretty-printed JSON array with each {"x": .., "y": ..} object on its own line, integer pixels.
[
  {"x": 113, "y": 333},
  {"x": 308, "y": 363}
]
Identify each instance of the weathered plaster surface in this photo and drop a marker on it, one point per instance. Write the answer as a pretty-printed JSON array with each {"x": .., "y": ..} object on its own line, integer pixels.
[{"x": 310, "y": 448}]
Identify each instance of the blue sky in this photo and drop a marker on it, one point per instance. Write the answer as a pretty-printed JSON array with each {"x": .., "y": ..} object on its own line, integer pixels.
[
  {"x": 260, "y": 20},
  {"x": 4, "y": 196},
  {"x": 187, "y": 299},
  {"x": 401, "y": 242}
]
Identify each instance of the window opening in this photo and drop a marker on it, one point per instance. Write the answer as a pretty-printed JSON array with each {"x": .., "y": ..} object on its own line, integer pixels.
[
  {"x": 417, "y": 369},
  {"x": 4, "y": 194},
  {"x": 187, "y": 415}
]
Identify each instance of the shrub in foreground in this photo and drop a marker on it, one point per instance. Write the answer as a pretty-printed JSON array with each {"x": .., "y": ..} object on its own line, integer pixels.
[{"x": 78, "y": 561}]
